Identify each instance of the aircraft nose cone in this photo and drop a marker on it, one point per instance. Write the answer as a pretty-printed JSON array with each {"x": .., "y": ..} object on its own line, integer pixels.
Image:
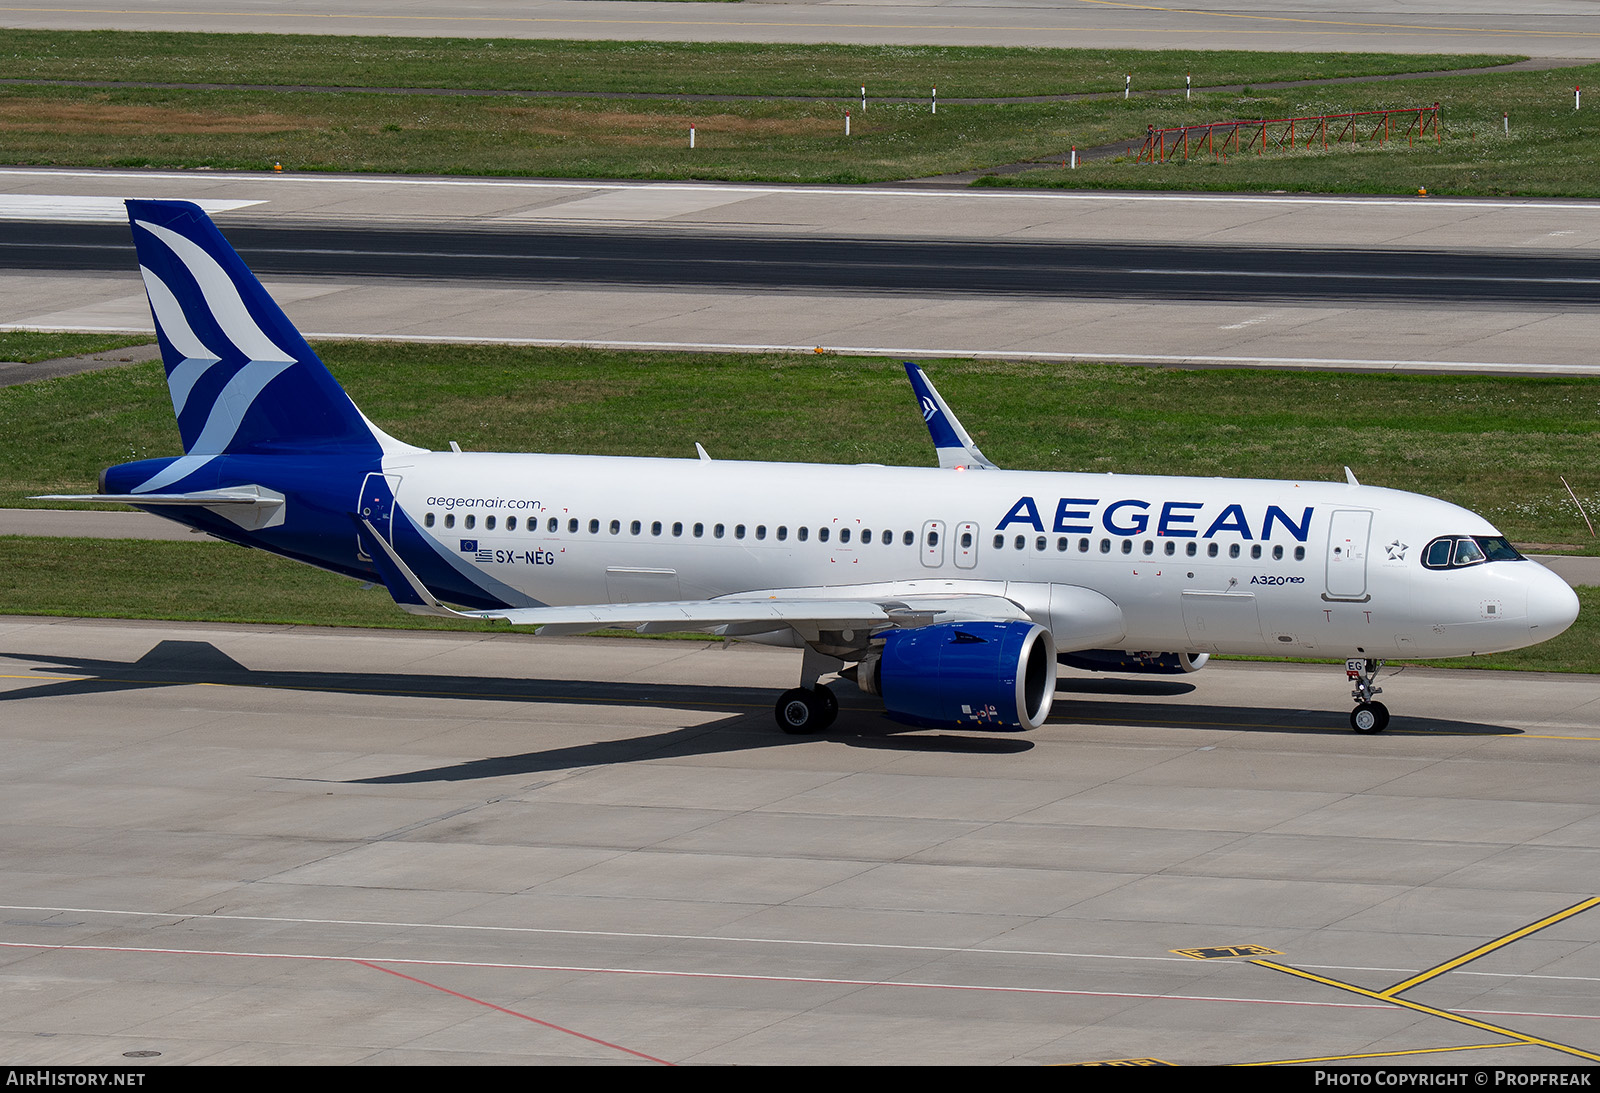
[{"x": 1552, "y": 605}]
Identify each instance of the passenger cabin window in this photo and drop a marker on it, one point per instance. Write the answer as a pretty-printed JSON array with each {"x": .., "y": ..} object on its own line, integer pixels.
[
  {"x": 553, "y": 525},
  {"x": 633, "y": 528},
  {"x": 470, "y": 521},
  {"x": 802, "y": 533},
  {"x": 488, "y": 523},
  {"x": 449, "y": 519},
  {"x": 427, "y": 520},
  {"x": 999, "y": 541},
  {"x": 572, "y": 526},
  {"x": 616, "y": 527},
  {"x": 511, "y": 524},
  {"x": 910, "y": 538},
  {"x": 822, "y": 535},
  {"x": 594, "y": 527},
  {"x": 655, "y": 527}
]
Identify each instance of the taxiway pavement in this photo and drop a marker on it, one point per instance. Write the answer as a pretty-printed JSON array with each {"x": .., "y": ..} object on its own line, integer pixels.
[
  {"x": 1168, "y": 321},
  {"x": 1539, "y": 28},
  {"x": 281, "y": 845}
]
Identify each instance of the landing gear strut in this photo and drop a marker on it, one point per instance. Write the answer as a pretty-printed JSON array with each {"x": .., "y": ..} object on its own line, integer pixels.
[
  {"x": 1368, "y": 716},
  {"x": 810, "y": 707}
]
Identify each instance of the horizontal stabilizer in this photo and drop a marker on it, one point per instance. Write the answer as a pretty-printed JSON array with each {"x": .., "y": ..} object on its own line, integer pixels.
[
  {"x": 250, "y": 507},
  {"x": 202, "y": 498}
]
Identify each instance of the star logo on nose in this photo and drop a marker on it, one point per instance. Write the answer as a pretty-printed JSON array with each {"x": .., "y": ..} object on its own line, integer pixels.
[{"x": 1397, "y": 551}]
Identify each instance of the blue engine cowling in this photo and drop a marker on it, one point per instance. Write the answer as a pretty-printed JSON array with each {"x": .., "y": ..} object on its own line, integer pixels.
[
  {"x": 989, "y": 675},
  {"x": 1115, "y": 660}
]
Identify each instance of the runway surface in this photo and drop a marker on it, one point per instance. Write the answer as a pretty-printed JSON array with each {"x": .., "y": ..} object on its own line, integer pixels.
[
  {"x": 1547, "y": 28},
  {"x": 699, "y": 260},
  {"x": 1145, "y": 278},
  {"x": 267, "y": 844}
]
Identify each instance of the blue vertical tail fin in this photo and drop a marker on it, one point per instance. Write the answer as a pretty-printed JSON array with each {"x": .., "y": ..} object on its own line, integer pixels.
[{"x": 243, "y": 380}]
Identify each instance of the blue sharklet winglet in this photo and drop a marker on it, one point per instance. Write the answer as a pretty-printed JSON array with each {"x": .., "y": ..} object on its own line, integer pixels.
[{"x": 952, "y": 442}]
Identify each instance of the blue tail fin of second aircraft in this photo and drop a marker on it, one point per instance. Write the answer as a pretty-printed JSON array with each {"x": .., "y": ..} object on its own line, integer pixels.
[{"x": 242, "y": 378}]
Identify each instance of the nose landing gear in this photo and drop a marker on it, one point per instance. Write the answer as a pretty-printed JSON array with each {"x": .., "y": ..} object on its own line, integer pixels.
[{"x": 1368, "y": 716}]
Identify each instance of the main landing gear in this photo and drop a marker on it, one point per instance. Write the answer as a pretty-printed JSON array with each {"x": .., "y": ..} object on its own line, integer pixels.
[
  {"x": 810, "y": 707},
  {"x": 1368, "y": 716},
  {"x": 806, "y": 709}
]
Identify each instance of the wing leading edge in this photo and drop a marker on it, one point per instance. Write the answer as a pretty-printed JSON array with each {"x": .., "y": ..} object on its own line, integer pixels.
[{"x": 807, "y": 611}]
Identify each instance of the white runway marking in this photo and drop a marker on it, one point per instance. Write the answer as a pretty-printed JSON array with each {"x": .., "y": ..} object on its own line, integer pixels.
[{"x": 63, "y": 207}]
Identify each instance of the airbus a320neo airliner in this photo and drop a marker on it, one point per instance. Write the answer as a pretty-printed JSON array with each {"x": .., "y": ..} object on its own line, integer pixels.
[{"x": 952, "y": 593}]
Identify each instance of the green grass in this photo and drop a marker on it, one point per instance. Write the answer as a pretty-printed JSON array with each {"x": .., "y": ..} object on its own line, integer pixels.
[
  {"x": 760, "y": 139},
  {"x": 216, "y": 582},
  {"x": 572, "y": 138},
  {"x": 1493, "y": 444},
  {"x": 1550, "y": 151},
  {"x": 199, "y": 581},
  {"x": 28, "y": 348},
  {"x": 726, "y": 68}
]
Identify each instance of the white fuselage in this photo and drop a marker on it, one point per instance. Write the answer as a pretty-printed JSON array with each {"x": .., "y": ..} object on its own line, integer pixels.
[{"x": 1194, "y": 564}]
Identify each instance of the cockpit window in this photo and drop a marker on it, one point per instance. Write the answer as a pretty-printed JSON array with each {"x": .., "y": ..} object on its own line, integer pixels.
[
  {"x": 1459, "y": 551},
  {"x": 1496, "y": 549}
]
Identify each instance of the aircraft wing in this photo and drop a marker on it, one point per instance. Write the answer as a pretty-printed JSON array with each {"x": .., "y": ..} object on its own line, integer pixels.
[
  {"x": 807, "y": 610},
  {"x": 950, "y": 440}
]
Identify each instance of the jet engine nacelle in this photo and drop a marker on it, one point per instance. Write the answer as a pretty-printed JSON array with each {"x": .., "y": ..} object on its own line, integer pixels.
[
  {"x": 1115, "y": 660},
  {"x": 989, "y": 675}
]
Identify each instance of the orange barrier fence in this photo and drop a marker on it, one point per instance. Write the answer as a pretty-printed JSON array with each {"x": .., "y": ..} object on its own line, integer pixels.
[{"x": 1217, "y": 138}]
